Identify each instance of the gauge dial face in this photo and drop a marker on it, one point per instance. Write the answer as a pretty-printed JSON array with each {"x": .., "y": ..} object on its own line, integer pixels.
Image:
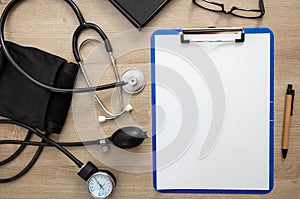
[{"x": 100, "y": 185}]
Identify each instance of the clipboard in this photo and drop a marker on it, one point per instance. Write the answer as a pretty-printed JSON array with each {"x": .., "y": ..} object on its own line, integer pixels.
[{"x": 213, "y": 110}]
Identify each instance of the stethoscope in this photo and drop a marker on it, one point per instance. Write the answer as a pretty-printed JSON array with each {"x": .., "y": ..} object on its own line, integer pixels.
[
  {"x": 132, "y": 81},
  {"x": 100, "y": 183},
  {"x": 135, "y": 84}
]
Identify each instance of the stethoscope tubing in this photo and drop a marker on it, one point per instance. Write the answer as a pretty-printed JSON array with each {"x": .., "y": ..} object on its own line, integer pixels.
[{"x": 83, "y": 25}]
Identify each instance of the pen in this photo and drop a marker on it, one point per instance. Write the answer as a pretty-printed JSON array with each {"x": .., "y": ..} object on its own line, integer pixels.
[{"x": 289, "y": 106}]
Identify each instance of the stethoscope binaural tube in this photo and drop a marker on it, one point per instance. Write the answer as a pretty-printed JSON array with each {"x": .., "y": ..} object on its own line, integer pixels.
[
  {"x": 110, "y": 114},
  {"x": 83, "y": 25}
]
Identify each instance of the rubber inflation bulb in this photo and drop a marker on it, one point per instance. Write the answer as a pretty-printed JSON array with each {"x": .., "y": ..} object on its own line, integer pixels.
[{"x": 128, "y": 137}]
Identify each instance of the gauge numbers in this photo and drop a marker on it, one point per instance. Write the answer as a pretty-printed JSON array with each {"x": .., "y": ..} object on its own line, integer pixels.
[{"x": 100, "y": 185}]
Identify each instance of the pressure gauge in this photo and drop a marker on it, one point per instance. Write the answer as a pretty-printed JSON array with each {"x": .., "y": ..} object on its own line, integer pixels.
[{"x": 101, "y": 184}]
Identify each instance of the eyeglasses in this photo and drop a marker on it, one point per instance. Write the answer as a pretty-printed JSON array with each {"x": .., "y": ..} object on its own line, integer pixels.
[{"x": 236, "y": 11}]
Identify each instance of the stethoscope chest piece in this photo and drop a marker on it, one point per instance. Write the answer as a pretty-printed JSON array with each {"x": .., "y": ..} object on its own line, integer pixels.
[{"x": 136, "y": 81}]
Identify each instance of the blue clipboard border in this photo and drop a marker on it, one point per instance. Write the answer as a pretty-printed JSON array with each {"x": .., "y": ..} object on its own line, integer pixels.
[{"x": 153, "y": 87}]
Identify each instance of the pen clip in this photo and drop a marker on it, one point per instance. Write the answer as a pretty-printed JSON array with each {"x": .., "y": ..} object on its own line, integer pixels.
[
  {"x": 291, "y": 91},
  {"x": 293, "y": 97}
]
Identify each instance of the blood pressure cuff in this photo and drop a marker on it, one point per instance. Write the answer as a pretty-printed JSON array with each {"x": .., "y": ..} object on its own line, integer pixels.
[{"x": 25, "y": 102}]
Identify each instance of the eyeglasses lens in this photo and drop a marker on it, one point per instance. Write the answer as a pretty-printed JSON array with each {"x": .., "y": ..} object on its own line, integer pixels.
[
  {"x": 208, "y": 5},
  {"x": 246, "y": 13}
]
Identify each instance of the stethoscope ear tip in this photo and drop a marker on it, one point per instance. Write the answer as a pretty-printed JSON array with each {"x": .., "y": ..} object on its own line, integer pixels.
[
  {"x": 101, "y": 119},
  {"x": 128, "y": 108}
]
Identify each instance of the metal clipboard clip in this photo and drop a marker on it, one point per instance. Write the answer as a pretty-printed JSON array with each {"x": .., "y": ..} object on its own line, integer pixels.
[{"x": 235, "y": 34}]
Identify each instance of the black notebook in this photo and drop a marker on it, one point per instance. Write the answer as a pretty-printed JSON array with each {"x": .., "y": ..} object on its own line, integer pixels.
[{"x": 139, "y": 12}]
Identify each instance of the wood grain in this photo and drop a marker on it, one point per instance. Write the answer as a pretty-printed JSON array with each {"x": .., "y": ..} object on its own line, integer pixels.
[{"x": 49, "y": 25}]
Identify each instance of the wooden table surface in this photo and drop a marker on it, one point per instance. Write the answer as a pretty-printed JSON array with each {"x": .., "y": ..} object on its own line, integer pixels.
[{"x": 49, "y": 25}]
